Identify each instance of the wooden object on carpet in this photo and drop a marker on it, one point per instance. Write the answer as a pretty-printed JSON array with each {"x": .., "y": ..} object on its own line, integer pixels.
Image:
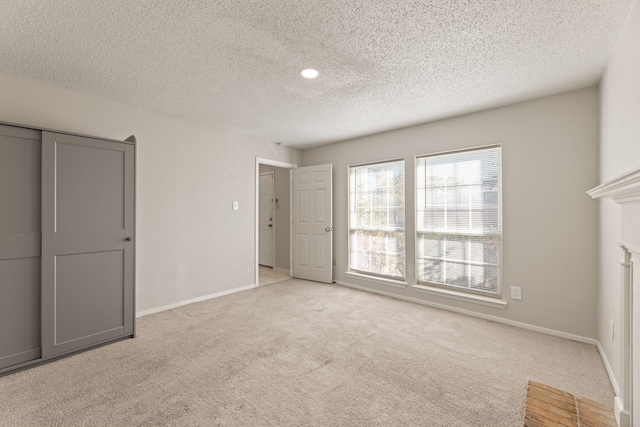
[{"x": 551, "y": 407}]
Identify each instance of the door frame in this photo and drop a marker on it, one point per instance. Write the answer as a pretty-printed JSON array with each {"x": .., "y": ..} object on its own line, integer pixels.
[
  {"x": 256, "y": 229},
  {"x": 272, "y": 214}
]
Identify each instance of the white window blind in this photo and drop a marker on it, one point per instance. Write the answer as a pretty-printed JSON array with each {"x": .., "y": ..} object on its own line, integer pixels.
[
  {"x": 376, "y": 219},
  {"x": 459, "y": 219}
]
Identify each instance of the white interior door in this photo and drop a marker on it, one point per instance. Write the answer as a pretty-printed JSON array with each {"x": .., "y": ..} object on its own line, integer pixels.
[
  {"x": 266, "y": 237},
  {"x": 313, "y": 223}
]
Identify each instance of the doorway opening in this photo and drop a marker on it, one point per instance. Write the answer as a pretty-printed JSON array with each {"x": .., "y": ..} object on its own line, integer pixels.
[{"x": 272, "y": 221}]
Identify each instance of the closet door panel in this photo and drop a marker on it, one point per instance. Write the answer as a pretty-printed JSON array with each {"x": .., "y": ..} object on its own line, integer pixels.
[
  {"x": 19, "y": 180},
  {"x": 90, "y": 187},
  {"x": 19, "y": 311},
  {"x": 20, "y": 153},
  {"x": 92, "y": 286},
  {"x": 89, "y": 295},
  {"x": 20, "y": 245},
  {"x": 74, "y": 242}
]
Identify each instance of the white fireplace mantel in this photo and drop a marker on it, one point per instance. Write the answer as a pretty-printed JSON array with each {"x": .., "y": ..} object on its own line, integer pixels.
[{"x": 625, "y": 190}]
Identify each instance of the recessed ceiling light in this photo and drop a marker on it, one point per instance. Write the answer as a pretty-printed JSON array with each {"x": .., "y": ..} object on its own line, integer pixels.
[{"x": 309, "y": 73}]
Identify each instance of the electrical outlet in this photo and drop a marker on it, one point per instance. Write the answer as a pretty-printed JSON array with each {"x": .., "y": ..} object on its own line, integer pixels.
[
  {"x": 516, "y": 293},
  {"x": 612, "y": 330}
]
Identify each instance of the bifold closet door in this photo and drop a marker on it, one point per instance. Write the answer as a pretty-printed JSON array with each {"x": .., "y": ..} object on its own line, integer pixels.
[
  {"x": 88, "y": 251},
  {"x": 19, "y": 245}
]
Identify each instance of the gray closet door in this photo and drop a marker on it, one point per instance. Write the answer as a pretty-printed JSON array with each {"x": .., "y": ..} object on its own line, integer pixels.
[
  {"x": 88, "y": 252},
  {"x": 19, "y": 245}
]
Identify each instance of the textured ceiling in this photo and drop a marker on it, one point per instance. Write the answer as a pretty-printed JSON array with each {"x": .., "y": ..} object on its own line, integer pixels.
[{"x": 383, "y": 64}]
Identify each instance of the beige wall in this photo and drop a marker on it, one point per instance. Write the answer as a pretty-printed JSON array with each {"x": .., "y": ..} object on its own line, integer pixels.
[
  {"x": 189, "y": 241},
  {"x": 550, "y": 150},
  {"x": 282, "y": 219},
  {"x": 619, "y": 153}
]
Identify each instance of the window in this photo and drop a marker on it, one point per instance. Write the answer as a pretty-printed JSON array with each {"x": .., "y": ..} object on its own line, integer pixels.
[
  {"x": 376, "y": 219},
  {"x": 459, "y": 219}
]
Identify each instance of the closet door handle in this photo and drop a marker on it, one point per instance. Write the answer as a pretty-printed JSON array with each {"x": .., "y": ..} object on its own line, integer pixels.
[{"x": 128, "y": 239}]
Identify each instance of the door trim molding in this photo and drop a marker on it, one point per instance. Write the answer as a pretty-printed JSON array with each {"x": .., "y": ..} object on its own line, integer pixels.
[
  {"x": 256, "y": 210},
  {"x": 64, "y": 132}
]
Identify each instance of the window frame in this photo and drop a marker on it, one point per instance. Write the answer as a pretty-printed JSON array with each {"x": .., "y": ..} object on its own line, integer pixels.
[
  {"x": 368, "y": 274},
  {"x": 453, "y": 288}
]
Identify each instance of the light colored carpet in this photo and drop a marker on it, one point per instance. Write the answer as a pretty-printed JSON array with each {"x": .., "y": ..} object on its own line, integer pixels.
[{"x": 301, "y": 353}]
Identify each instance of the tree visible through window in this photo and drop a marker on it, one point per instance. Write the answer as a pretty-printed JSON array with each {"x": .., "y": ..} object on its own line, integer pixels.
[
  {"x": 459, "y": 219},
  {"x": 376, "y": 220}
]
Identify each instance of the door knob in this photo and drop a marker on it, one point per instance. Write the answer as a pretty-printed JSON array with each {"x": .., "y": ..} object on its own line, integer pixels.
[
  {"x": 128, "y": 239},
  {"x": 270, "y": 225},
  {"x": 327, "y": 229}
]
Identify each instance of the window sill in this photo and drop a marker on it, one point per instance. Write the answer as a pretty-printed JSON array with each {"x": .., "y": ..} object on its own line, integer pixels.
[
  {"x": 375, "y": 279},
  {"x": 462, "y": 296}
]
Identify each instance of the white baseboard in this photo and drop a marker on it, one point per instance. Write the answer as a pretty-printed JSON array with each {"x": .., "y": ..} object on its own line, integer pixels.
[
  {"x": 191, "y": 301},
  {"x": 497, "y": 319},
  {"x": 607, "y": 366}
]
